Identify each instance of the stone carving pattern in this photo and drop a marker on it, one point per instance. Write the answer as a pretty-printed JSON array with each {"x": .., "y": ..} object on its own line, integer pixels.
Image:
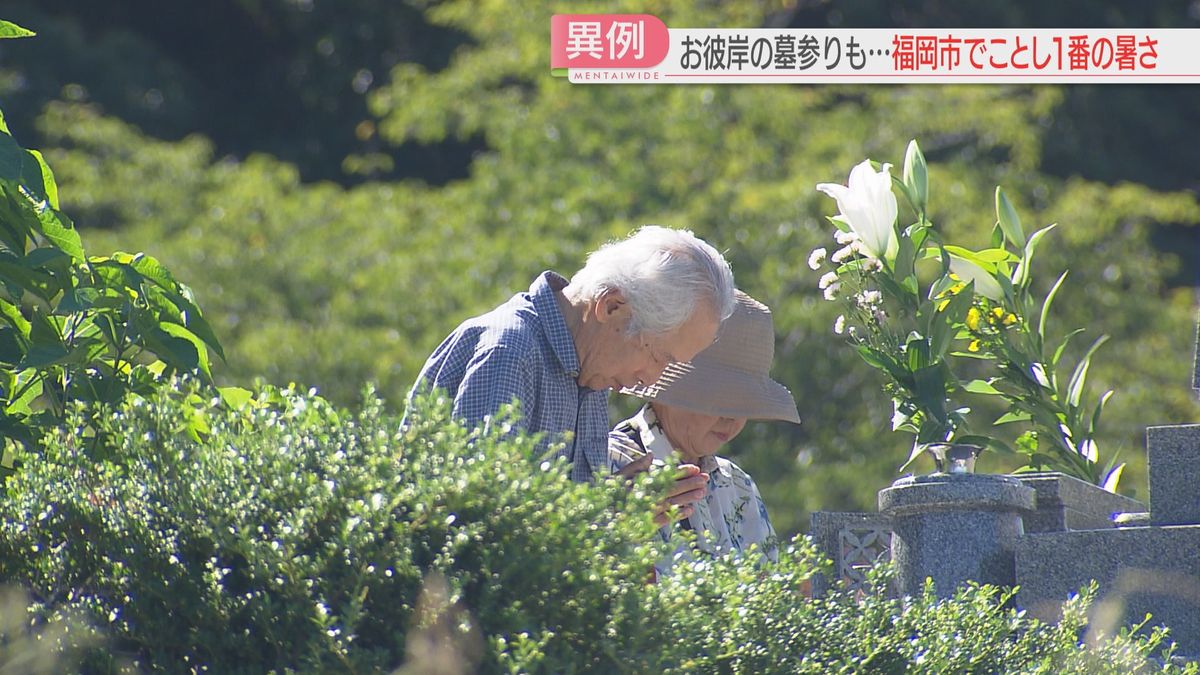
[{"x": 859, "y": 549}]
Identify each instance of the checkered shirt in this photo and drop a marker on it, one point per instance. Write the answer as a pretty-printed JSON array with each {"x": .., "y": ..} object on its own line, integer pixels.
[{"x": 522, "y": 351}]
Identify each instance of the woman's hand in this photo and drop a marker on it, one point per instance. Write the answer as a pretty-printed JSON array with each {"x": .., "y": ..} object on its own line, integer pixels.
[{"x": 690, "y": 486}]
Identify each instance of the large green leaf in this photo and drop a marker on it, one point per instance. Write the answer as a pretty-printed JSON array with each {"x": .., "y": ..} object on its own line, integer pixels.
[
  {"x": 59, "y": 229},
  {"x": 184, "y": 349}
]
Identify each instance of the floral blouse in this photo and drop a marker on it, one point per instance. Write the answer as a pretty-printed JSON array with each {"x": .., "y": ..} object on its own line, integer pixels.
[{"x": 732, "y": 515}]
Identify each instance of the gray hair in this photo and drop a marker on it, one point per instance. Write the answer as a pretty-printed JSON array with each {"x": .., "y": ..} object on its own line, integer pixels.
[{"x": 662, "y": 273}]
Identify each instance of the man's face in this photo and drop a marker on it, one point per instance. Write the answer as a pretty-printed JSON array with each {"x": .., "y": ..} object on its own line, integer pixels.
[{"x": 611, "y": 359}]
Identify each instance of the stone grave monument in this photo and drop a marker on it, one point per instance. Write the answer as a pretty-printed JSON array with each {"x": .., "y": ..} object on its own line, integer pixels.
[{"x": 1052, "y": 535}]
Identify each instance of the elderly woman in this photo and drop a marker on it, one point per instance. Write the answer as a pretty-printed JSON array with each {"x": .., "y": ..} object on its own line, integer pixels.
[{"x": 695, "y": 408}]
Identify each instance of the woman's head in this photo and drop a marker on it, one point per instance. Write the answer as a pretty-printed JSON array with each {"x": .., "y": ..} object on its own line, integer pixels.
[
  {"x": 731, "y": 378},
  {"x": 695, "y": 434}
]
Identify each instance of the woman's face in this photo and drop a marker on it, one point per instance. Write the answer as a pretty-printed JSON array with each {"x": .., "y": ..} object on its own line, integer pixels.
[{"x": 696, "y": 435}]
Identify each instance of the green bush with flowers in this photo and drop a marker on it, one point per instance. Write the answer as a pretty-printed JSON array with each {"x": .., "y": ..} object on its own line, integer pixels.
[
  {"x": 296, "y": 537},
  {"x": 946, "y": 324}
]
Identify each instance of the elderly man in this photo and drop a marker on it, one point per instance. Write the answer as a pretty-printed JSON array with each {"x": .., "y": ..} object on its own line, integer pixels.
[{"x": 637, "y": 305}]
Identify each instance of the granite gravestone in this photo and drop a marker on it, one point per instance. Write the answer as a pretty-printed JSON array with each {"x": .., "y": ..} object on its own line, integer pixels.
[{"x": 1150, "y": 566}]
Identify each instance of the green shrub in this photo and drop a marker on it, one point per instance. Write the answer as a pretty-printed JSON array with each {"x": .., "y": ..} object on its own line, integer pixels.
[
  {"x": 295, "y": 537},
  {"x": 75, "y": 327}
]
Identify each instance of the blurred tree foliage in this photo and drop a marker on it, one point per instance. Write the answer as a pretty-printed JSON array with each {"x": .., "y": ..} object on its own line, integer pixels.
[{"x": 499, "y": 171}]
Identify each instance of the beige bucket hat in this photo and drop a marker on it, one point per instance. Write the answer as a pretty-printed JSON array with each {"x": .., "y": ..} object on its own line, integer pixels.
[{"x": 730, "y": 378}]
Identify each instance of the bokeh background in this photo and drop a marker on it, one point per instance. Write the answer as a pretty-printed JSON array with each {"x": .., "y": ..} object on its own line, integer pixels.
[{"x": 342, "y": 182}]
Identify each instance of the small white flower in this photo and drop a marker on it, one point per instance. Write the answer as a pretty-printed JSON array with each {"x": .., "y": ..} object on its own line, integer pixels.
[
  {"x": 866, "y": 299},
  {"x": 880, "y": 316},
  {"x": 845, "y": 237},
  {"x": 831, "y": 291},
  {"x": 842, "y": 255},
  {"x": 839, "y": 326},
  {"x": 816, "y": 258},
  {"x": 827, "y": 280},
  {"x": 853, "y": 332},
  {"x": 872, "y": 264}
]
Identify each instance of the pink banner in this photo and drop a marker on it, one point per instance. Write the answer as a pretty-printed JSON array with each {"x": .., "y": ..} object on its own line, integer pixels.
[{"x": 607, "y": 41}]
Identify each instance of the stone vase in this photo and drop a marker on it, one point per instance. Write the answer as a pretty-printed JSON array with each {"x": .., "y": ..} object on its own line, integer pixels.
[{"x": 955, "y": 528}]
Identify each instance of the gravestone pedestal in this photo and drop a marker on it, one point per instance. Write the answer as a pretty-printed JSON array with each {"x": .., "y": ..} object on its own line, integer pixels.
[{"x": 955, "y": 528}]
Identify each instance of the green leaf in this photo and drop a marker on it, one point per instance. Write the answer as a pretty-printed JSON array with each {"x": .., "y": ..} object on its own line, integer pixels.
[
  {"x": 12, "y": 314},
  {"x": 986, "y": 442},
  {"x": 982, "y": 387},
  {"x": 1046, "y": 306},
  {"x": 46, "y": 346},
  {"x": 997, "y": 239},
  {"x": 1022, "y": 275},
  {"x": 59, "y": 229},
  {"x": 1012, "y": 416},
  {"x": 26, "y": 386},
  {"x": 12, "y": 159},
  {"x": 905, "y": 259},
  {"x": 48, "y": 185},
  {"x": 185, "y": 347},
  {"x": 886, "y": 363},
  {"x": 150, "y": 268},
  {"x": 12, "y": 346},
  {"x": 930, "y": 385},
  {"x": 235, "y": 398},
  {"x": 9, "y": 29},
  {"x": 77, "y": 300},
  {"x": 1095, "y": 423},
  {"x": 1079, "y": 377},
  {"x": 1062, "y": 347},
  {"x": 1113, "y": 478},
  {"x": 918, "y": 449},
  {"x": 916, "y": 176},
  {"x": 971, "y": 256},
  {"x": 1006, "y": 215},
  {"x": 917, "y": 351},
  {"x": 840, "y": 223}
]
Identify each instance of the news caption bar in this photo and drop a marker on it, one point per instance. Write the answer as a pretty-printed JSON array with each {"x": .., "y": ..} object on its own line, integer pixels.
[{"x": 640, "y": 49}]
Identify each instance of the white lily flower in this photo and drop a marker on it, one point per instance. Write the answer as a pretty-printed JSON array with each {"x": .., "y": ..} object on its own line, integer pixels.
[
  {"x": 868, "y": 205},
  {"x": 985, "y": 284}
]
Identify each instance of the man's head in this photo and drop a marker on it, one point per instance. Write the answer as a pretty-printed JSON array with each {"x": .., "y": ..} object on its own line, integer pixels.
[{"x": 654, "y": 298}]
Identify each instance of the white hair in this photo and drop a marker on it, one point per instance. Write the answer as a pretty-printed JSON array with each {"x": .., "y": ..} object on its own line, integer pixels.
[{"x": 663, "y": 273}]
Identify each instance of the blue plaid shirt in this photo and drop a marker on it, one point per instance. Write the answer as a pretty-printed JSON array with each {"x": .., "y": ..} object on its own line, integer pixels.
[{"x": 523, "y": 351}]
